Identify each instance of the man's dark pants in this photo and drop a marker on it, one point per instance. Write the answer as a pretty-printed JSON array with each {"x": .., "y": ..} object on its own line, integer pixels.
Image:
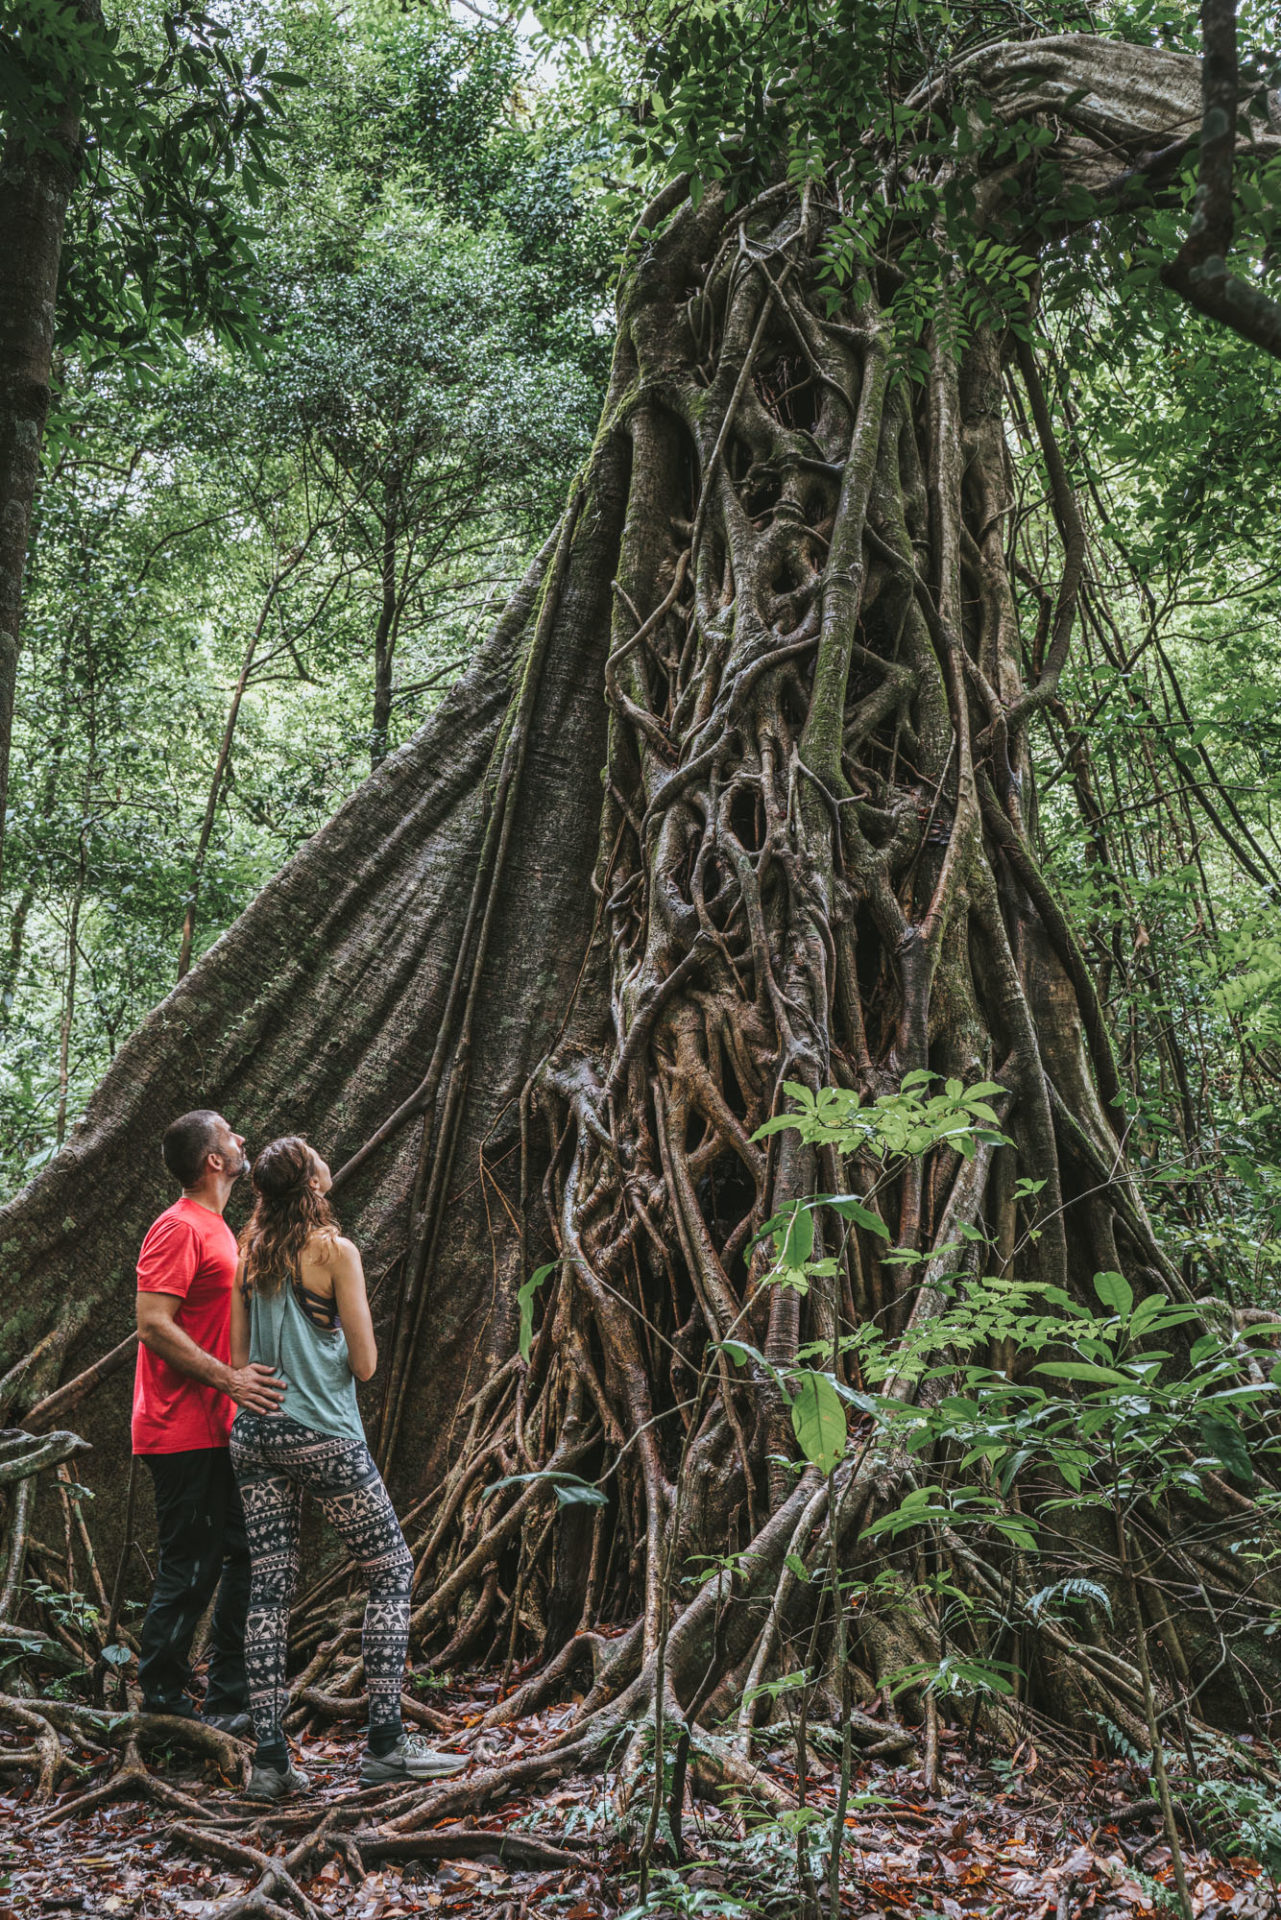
[{"x": 201, "y": 1528}]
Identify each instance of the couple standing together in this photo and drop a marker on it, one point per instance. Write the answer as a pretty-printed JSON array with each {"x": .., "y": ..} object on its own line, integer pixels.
[{"x": 244, "y": 1398}]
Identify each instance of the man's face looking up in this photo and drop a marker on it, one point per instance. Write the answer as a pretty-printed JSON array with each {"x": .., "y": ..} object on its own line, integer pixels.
[{"x": 230, "y": 1149}]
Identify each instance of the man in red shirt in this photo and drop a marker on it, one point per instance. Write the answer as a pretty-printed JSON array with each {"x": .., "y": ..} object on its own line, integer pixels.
[{"x": 184, "y": 1400}]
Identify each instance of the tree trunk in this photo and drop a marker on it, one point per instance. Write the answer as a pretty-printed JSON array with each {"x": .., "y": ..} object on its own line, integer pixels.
[
  {"x": 737, "y": 793},
  {"x": 221, "y": 763},
  {"x": 388, "y": 620},
  {"x": 36, "y": 173}
]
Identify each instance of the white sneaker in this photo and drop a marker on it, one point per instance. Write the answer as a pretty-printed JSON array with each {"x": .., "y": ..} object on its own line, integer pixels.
[{"x": 410, "y": 1759}]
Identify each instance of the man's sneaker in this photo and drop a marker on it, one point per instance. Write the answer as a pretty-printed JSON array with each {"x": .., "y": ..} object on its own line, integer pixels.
[
  {"x": 238, "y": 1725},
  {"x": 410, "y": 1759},
  {"x": 269, "y": 1784}
]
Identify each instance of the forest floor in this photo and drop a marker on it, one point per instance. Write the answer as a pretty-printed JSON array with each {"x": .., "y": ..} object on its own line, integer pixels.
[{"x": 1021, "y": 1837}]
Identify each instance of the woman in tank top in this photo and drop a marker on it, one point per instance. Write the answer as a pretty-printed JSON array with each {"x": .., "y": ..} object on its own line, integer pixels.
[{"x": 299, "y": 1306}]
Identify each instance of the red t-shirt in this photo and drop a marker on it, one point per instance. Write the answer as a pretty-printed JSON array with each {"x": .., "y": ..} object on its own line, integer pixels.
[{"x": 189, "y": 1251}]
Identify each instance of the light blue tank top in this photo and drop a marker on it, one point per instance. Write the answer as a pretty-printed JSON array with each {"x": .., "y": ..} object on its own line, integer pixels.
[{"x": 320, "y": 1387}]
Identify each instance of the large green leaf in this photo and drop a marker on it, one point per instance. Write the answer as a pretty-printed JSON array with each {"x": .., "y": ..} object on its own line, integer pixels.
[
  {"x": 1115, "y": 1291},
  {"x": 818, "y": 1420},
  {"x": 1083, "y": 1371},
  {"x": 798, "y": 1241},
  {"x": 1222, "y": 1437},
  {"x": 525, "y": 1301},
  {"x": 851, "y": 1209}
]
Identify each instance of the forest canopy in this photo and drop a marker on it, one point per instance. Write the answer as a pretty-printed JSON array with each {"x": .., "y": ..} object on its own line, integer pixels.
[{"x": 317, "y": 492}]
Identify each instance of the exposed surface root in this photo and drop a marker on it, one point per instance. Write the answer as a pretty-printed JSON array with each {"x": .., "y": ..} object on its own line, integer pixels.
[{"x": 1086, "y": 1823}]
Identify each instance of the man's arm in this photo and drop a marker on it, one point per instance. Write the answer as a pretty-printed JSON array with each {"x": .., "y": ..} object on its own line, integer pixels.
[{"x": 255, "y": 1386}]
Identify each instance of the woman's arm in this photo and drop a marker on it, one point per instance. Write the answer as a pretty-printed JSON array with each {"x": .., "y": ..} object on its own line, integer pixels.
[
  {"x": 239, "y": 1321},
  {"x": 353, "y": 1309}
]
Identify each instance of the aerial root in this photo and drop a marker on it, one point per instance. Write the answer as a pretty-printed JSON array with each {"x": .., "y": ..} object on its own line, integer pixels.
[
  {"x": 453, "y": 1843},
  {"x": 45, "y": 1753},
  {"x": 130, "y": 1778},
  {"x": 131, "y": 1732},
  {"x": 332, "y": 1706},
  {"x": 358, "y": 1847},
  {"x": 717, "y": 1768},
  {"x": 276, "y": 1876},
  {"x": 147, "y": 1729}
]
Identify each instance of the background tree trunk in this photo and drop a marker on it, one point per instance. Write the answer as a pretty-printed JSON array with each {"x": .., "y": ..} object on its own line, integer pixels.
[{"x": 37, "y": 167}]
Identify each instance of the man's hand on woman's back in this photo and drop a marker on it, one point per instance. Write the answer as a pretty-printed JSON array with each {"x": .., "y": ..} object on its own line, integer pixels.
[{"x": 257, "y": 1388}]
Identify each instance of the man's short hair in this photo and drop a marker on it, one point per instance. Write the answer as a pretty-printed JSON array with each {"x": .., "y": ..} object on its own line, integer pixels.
[{"x": 188, "y": 1142}]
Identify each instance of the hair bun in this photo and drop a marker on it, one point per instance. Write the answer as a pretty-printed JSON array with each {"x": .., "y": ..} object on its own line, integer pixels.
[{"x": 283, "y": 1167}]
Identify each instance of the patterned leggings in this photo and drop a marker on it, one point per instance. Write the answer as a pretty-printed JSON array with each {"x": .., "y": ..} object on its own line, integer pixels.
[{"x": 275, "y": 1459}]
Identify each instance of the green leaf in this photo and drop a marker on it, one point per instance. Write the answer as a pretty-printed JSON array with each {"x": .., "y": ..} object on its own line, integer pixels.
[
  {"x": 851, "y": 1209},
  {"x": 116, "y": 1655},
  {"x": 798, "y": 1240},
  {"x": 1115, "y": 1291},
  {"x": 577, "y": 1493},
  {"x": 525, "y": 1301},
  {"x": 1222, "y": 1437},
  {"x": 569, "y": 1489},
  {"x": 1155, "y": 1314},
  {"x": 1083, "y": 1371},
  {"x": 818, "y": 1421}
]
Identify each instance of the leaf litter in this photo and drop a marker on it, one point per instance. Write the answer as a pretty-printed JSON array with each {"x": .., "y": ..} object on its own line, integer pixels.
[{"x": 1026, "y": 1839}]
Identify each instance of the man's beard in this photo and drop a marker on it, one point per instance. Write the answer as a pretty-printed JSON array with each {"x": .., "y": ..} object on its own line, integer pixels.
[{"x": 241, "y": 1166}]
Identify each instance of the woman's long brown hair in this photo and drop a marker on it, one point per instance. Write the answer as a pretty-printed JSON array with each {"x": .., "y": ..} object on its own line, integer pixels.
[{"x": 288, "y": 1212}]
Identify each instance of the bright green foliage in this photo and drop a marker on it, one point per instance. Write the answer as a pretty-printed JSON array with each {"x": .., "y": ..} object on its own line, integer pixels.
[
  {"x": 1097, "y": 1409},
  {"x": 430, "y": 359},
  {"x": 907, "y": 1122},
  {"x": 179, "y": 112}
]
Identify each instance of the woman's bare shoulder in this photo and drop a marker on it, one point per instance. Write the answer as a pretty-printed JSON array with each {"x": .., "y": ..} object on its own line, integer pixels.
[{"x": 320, "y": 1252}]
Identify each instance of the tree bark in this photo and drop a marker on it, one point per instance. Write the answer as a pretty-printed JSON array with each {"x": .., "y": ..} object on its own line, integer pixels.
[{"x": 37, "y": 169}]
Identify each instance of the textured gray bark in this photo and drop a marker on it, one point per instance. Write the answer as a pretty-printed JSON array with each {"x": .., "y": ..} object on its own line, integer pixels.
[{"x": 35, "y": 186}]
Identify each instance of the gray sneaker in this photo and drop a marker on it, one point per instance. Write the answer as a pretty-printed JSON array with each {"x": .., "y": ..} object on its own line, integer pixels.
[
  {"x": 269, "y": 1784},
  {"x": 410, "y": 1759}
]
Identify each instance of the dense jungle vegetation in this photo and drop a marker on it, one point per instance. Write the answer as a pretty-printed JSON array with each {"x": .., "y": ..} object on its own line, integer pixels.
[
  {"x": 659, "y": 624},
  {"x": 269, "y": 535},
  {"x": 264, "y": 549}
]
